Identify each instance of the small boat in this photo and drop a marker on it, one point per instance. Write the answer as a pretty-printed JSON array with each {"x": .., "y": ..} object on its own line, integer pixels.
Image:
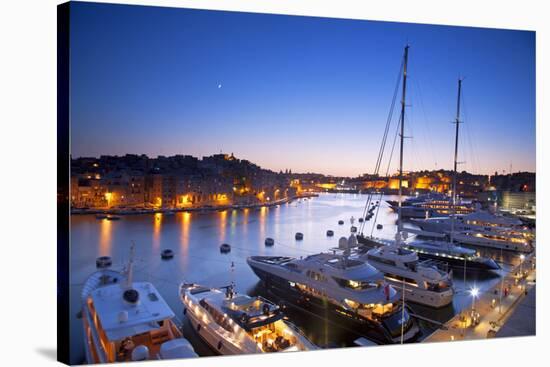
[
  {"x": 225, "y": 248},
  {"x": 340, "y": 222},
  {"x": 330, "y": 233},
  {"x": 103, "y": 262},
  {"x": 233, "y": 323},
  {"x": 100, "y": 216},
  {"x": 299, "y": 236},
  {"x": 113, "y": 217},
  {"x": 125, "y": 321},
  {"x": 167, "y": 254},
  {"x": 269, "y": 241}
]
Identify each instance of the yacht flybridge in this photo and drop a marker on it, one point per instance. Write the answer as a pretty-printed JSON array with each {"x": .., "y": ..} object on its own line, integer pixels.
[
  {"x": 128, "y": 321},
  {"x": 350, "y": 288},
  {"x": 426, "y": 283},
  {"x": 232, "y": 323}
]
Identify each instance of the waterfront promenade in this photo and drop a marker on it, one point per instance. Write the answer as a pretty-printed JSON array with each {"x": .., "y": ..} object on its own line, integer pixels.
[
  {"x": 202, "y": 208},
  {"x": 488, "y": 315}
]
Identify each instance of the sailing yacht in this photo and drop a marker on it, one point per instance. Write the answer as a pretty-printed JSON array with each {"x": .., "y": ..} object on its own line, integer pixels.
[
  {"x": 232, "y": 323},
  {"x": 351, "y": 289},
  {"x": 128, "y": 321}
]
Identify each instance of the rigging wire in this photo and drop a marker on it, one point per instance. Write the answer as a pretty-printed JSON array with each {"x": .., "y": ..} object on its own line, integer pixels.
[{"x": 383, "y": 144}]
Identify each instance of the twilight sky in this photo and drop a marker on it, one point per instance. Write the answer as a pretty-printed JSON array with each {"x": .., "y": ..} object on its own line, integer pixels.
[{"x": 309, "y": 94}]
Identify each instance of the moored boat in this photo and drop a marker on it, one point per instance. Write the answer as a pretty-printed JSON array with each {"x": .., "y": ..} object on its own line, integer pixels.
[{"x": 232, "y": 323}]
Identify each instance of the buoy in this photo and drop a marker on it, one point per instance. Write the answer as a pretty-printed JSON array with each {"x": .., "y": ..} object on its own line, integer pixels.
[
  {"x": 269, "y": 241},
  {"x": 379, "y": 226},
  {"x": 340, "y": 222},
  {"x": 299, "y": 236},
  {"x": 103, "y": 262},
  {"x": 330, "y": 233},
  {"x": 225, "y": 248},
  {"x": 167, "y": 254}
]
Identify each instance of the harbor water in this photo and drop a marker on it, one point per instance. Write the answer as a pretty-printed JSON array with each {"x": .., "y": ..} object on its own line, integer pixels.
[{"x": 195, "y": 239}]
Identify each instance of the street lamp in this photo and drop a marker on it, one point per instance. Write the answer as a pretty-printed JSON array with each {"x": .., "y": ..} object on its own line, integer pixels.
[
  {"x": 474, "y": 292},
  {"x": 521, "y": 257}
]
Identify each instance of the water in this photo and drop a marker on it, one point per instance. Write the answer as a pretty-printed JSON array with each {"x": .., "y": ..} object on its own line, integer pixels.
[{"x": 195, "y": 239}]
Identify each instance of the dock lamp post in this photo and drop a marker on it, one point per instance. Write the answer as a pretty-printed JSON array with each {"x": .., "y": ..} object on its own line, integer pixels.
[
  {"x": 522, "y": 258},
  {"x": 474, "y": 292}
]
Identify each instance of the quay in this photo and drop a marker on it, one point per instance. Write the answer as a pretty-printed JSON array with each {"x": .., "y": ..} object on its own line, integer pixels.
[
  {"x": 488, "y": 317},
  {"x": 204, "y": 208}
]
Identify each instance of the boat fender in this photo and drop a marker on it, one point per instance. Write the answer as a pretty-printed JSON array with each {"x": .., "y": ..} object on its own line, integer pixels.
[
  {"x": 184, "y": 311},
  {"x": 198, "y": 327},
  {"x": 265, "y": 309},
  {"x": 220, "y": 345}
]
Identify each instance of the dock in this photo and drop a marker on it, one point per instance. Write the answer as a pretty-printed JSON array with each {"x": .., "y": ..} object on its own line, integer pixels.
[{"x": 490, "y": 318}]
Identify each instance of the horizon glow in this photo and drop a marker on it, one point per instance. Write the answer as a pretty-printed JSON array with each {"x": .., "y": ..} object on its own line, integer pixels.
[{"x": 301, "y": 93}]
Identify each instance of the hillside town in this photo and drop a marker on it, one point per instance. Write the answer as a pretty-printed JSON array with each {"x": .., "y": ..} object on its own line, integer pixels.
[{"x": 181, "y": 182}]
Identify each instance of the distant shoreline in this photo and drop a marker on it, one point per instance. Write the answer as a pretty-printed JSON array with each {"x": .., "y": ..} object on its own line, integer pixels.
[{"x": 199, "y": 209}]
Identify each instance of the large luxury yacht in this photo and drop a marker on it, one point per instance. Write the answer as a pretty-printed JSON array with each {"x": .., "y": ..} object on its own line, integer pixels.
[
  {"x": 350, "y": 288},
  {"x": 426, "y": 283},
  {"x": 128, "y": 321},
  {"x": 233, "y": 323},
  {"x": 433, "y": 207},
  {"x": 483, "y": 229}
]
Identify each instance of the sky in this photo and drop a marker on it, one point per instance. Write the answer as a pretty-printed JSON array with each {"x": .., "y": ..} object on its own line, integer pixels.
[{"x": 302, "y": 93}]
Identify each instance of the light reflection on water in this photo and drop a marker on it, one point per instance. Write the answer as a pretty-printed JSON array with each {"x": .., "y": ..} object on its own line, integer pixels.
[{"x": 195, "y": 239}]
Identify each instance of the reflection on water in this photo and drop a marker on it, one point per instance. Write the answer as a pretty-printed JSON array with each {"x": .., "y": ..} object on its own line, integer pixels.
[
  {"x": 157, "y": 225},
  {"x": 195, "y": 239},
  {"x": 105, "y": 238}
]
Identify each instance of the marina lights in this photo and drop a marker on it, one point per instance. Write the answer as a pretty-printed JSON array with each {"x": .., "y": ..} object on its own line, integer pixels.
[{"x": 474, "y": 292}]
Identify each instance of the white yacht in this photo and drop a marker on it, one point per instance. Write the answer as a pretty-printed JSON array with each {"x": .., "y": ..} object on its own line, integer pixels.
[
  {"x": 433, "y": 207},
  {"x": 237, "y": 324},
  {"x": 128, "y": 321},
  {"x": 483, "y": 229},
  {"x": 351, "y": 289},
  {"x": 423, "y": 282}
]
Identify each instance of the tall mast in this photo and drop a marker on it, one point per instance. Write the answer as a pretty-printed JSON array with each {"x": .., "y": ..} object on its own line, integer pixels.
[
  {"x": 457, "y": 123},
  {"x": 402, "y": 136},
  {"x": 399, "y": 235}
]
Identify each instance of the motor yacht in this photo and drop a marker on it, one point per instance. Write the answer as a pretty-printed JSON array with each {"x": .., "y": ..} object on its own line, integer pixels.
[
  {"x": 350, "y": 289},
  {"x": 433, "y": 207},
  {"x": 427, "y": 282},
  {"x": 232, "y": 323},
  {"x": 128, "y": 321},
  {"x": 483, "y": 229}
]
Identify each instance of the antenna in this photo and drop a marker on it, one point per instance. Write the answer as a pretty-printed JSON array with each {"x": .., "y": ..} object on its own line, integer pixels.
[{"x": 130, "y": 275}]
